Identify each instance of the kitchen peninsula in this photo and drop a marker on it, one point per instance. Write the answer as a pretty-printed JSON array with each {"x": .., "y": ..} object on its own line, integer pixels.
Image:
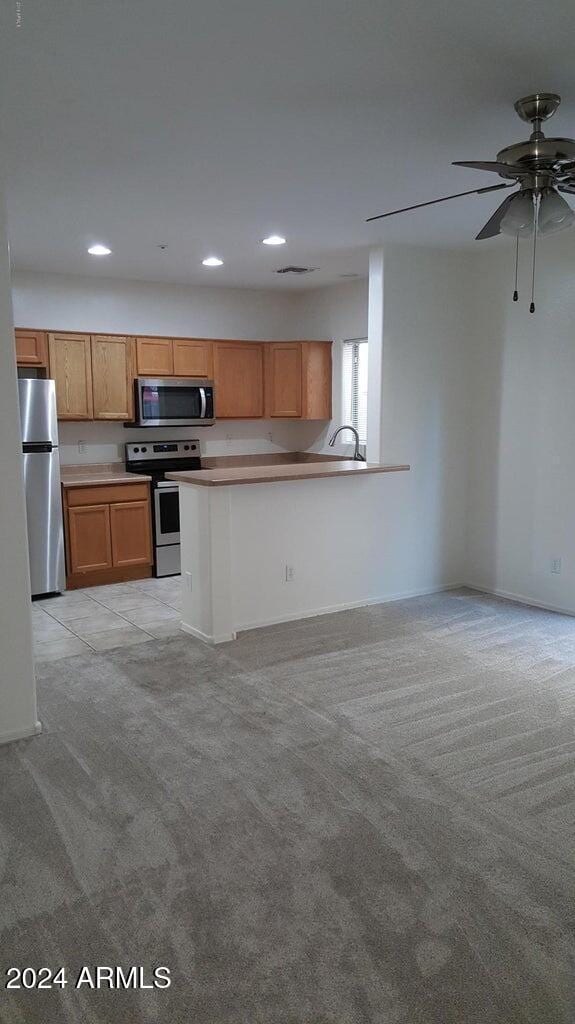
[{"x": 266, "y": 543}]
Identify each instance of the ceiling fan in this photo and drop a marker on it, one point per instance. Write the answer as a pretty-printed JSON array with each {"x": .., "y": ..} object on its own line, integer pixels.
[{"x": 542, "y": 167}]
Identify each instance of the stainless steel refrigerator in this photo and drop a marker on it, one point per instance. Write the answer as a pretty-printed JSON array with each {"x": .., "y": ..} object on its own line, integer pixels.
[{"x": 42, "y": 485}]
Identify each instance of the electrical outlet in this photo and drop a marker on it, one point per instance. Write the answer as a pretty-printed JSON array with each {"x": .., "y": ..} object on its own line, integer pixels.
[
  {"x": 290, "y": 574},
  {"x": 188, "y": 577},
  {"x": 556, "y": 566},
  {"x": 82, "y": 447},
  {"x": 270, "y": 435}
]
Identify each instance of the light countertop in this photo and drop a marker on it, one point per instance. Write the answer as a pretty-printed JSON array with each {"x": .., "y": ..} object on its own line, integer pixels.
[
  {"x": 99, "y": 473},
  {"x": 274, "y": 473}
]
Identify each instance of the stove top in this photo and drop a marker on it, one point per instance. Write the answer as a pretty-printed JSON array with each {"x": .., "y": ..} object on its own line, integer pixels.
[{"x": 156, "y": 458}]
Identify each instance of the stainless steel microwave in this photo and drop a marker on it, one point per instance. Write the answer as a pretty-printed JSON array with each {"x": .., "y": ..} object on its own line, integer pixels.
[{"x": 174, "y": 402}]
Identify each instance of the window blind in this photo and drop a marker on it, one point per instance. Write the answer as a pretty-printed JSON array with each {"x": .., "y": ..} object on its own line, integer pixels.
[{"x": 355, "y": 385}]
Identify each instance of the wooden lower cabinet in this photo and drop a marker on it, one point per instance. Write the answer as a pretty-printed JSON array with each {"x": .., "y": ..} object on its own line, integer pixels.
[
  {"x": 109, "y": 542},
  {"x": 90, "y": 543},
  {"x": 130, "y": 530}
]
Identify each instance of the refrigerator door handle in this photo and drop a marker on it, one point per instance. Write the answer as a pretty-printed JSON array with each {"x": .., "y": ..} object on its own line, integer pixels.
[{"x": 40, "y": 446}]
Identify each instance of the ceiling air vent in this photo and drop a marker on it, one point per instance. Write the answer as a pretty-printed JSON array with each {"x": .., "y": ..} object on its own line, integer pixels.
[{"x": 296, "y": 270}]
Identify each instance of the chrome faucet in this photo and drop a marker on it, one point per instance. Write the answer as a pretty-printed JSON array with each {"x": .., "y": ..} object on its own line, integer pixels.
[{"x": 358, "y": 457}]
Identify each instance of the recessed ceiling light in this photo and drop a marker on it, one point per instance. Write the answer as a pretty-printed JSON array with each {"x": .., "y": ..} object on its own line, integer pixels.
[
  {"x": 274, "y": 240},
  {"x": 213, "y": 261},
  {"x": 99, "y": 250}
]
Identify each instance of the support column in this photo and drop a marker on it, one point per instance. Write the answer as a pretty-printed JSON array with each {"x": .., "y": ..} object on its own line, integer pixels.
[
  {"x": 375, "y": 355},
  {"x": 18, "y": 716}
]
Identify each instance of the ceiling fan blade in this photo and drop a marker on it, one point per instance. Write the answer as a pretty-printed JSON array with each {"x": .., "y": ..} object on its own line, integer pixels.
[
  {"x": 491, "y": 165},
  {"x": 431, "y": 202},
  {"x": 493, "y": 226}
]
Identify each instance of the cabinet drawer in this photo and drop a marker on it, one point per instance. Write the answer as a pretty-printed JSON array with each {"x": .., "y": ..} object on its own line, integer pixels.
[{"x": 106, "y": 494}]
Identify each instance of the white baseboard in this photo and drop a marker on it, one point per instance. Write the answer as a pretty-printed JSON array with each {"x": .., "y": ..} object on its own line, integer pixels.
[
  {"x": 348, "y": 606},
  {"x": 507, "y": 595},
  {"x": 21, "y": 734},
  {"x": 207, "y": 637}
]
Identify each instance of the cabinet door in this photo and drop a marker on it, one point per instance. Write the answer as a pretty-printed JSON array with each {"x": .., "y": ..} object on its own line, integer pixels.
[
  {"x": 112, "y": 377},
  {"x": 71, "y": 368},
  {"x": 131, "y": 533},
  {"x": 193, "y": 358},
  {"x": 283, "y": 379},
  {"x": 154, "y": 357},
  {"x": 238, "y": 376},
  {"x": 31, "y": 348},
  {"x": 89, "y": 539},
  {"x": 316, "y": 380}
]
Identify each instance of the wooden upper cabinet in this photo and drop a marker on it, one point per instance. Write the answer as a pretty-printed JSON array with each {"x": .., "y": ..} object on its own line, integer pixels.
[
  {"x": 71, "y": 368},
  {"x": 131, "y": 533},
  {"x": 154, "y": 357},
  {"x": 238, "y": 377},
  {"x": 31, "y": 348},
  {"x": 112, "y": 377},
  {"x": 89, "y": 538},
  {"x": 283, "y": 379},
  {"x": 316, "y": 380},
  {"x": 193, "y": 358}
]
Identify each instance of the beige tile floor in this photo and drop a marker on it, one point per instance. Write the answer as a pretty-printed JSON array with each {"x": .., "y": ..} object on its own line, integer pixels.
[{"x": 99, "y": 618}]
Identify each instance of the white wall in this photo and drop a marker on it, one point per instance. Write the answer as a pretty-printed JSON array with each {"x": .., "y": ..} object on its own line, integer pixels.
[
  {"x": 428, "y": 336},
  {"x": 339, "y": 313},
  {"x": 428, "y": 306},
  {"x": 522, "y": 448},
  {"x": 67, "y": 303},
  {"x": 17, "y": 685}
]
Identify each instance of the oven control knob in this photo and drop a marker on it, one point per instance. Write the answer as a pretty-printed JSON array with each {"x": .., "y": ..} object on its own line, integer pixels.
[
  {"x": 186, "y": 447},
  {"x": 193, "y": 447},
  {"x": 144, "y": 449},
  {"x": 136, "y": 449}
]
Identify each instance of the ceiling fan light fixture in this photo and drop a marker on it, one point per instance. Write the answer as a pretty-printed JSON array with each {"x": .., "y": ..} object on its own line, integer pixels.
[
  {"x": 518, "y": 218},
  {"x": 555, "y": 214}
]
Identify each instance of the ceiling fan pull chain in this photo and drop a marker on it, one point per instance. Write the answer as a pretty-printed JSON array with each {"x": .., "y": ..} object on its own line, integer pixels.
[
  {"x": 535, "y": 219},
  {"x": 516, "y": 293}
]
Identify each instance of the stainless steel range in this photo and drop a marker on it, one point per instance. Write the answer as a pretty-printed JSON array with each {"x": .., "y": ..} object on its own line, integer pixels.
[{"x": 155, "y": 459}]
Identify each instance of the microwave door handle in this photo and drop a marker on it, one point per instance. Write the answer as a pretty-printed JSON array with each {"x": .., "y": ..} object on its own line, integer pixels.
[{"x": 203, "y": 407}]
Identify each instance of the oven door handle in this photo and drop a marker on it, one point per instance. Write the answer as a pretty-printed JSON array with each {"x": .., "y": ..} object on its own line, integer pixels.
[
  {"x": 157, "y": 531},
  {"x": 203, "y": 406}
]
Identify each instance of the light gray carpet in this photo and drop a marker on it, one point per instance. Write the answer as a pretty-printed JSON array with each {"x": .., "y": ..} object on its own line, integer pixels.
[{"x": 366, "y": 817}]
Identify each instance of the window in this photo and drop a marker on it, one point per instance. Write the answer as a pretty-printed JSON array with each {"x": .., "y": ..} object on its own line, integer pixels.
[{"x": 354, "y": 407}]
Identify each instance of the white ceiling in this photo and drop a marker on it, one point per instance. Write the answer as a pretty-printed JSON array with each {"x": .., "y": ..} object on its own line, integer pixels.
[{"x": 207, "y": 124}]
